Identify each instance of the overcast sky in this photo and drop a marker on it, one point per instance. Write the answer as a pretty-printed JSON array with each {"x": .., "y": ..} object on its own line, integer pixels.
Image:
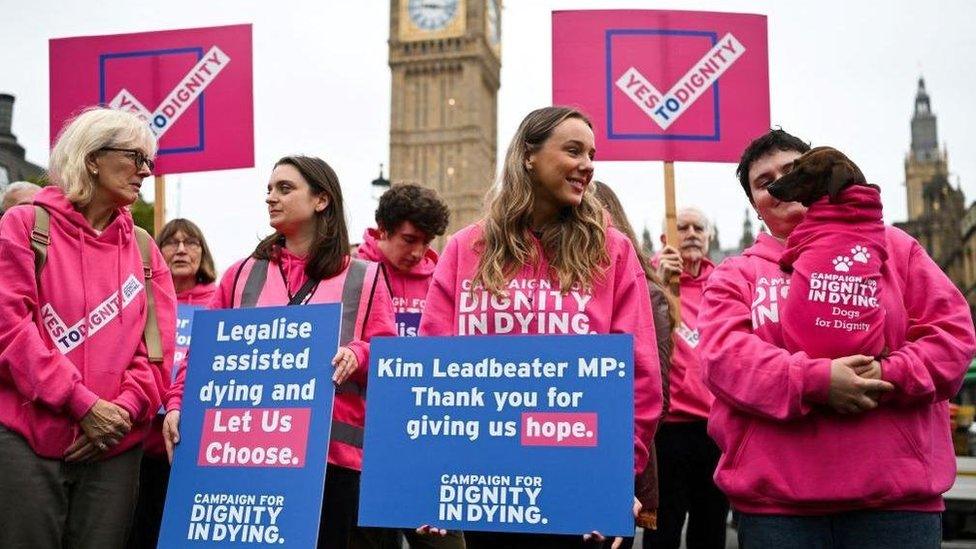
[{"x": 842, "y": 73}]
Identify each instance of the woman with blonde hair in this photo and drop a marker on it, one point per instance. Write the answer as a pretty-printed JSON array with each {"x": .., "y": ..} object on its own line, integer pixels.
[
  {"x": 84, "y": 360},
  {"x": 545, "y": 229}
]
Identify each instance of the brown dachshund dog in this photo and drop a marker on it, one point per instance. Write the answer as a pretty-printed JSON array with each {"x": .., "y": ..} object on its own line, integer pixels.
[{"x": 820, "y": 171}]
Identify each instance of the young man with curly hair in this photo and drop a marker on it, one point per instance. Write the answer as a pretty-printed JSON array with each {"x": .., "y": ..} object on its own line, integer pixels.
[{"x": 408, "y": 218}]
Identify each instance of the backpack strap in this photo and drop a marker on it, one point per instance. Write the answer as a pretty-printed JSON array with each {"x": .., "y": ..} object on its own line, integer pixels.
[
  {"x": 150, "y": 333},
  {"x": 40, "y": 238}
]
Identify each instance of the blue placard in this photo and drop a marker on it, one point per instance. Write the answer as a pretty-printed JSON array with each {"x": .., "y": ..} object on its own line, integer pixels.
[
  {"x": 507, "y": 434},
  {"x": 249, "y": 470},
  {"x": 184, "y": 325},
  {"x": 408, "y": 324}
]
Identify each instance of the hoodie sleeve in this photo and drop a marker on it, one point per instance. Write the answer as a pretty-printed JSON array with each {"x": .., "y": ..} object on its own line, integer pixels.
[
  {"x": 632, "y": 315},
  {"x": 37, "y": 371},
  {"x": 939, "y": 344},
  {"x": 743, "y": 370},
  {"x": 222, "y": 298},
  {"x": 379, "y": 323},
  {"x": 144, "y": 383},
  {"x": 438, "y": 318}
]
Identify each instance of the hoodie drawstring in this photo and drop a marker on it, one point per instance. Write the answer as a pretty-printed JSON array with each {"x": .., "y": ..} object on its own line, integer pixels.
[{"x": 84, "y": 300}]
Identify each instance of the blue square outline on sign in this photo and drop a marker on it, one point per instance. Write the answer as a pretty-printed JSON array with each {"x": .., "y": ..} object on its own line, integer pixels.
[
  {"x": 103, "y": 58},
  {"x": 610, "y": 33}
]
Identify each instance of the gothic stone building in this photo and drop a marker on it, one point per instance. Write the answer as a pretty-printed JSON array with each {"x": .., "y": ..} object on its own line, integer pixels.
[
  {"x": 937, "y": 214},
  {"x": 13, "y": 164}
]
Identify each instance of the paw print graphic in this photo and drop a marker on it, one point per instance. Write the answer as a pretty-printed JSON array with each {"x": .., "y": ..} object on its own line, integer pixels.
[
  {"x": 860, "y": 254},
  {"x": 842, "y": 264}
]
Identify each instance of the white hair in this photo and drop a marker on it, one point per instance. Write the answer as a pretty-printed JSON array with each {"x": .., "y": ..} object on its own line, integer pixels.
[
  {"x": 84, "y": 135},
  {"x": 12, "y": 188},
  {"x": 706, "y": 222}
]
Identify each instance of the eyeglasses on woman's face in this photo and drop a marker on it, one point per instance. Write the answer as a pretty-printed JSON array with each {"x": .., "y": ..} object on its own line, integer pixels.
[
  {"x": 136, "y": 155},
  {"x": 173, "y": 244}
]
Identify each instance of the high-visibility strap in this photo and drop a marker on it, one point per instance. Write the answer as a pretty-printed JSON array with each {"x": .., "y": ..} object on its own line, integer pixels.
[
  {"x": 347, "y": 433},
  {"x": 352, "y": 291},
  {"x": 150, "y": 332},
  {"x": 255, "y": 283}
]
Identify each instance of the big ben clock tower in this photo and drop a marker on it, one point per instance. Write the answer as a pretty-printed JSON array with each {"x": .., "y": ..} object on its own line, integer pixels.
[{"x": 445, "y": 58}]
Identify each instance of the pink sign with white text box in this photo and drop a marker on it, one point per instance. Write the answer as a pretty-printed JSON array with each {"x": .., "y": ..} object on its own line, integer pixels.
[
  {"x": 192, "y": 86},
  {"x": 664, "y": 85}
]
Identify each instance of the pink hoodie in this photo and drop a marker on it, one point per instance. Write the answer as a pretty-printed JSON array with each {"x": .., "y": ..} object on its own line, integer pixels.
[
  {"x": 200, "y": 295},
  {"x": 619, "y": 303},
  {"x": 690, "y": 399},
  {"x": 837, "y": 254},
  {"x": 348, "y": 407},
  {"x": 50, "y": 373},
  {"x": 409, "y": 288},
  {"x": 783, "y": 450}
]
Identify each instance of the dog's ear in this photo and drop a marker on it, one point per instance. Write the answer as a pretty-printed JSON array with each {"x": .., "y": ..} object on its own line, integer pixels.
[{"x": 840, "y": 176}]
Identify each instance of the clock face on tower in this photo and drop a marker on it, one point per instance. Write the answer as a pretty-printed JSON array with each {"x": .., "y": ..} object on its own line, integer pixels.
[
  {"x": 432, "y": 15},
  {"x": 431, "y": 19}
]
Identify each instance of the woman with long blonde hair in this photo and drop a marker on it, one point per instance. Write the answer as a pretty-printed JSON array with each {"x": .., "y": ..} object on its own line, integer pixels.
[{"x": 545, "y": 230}]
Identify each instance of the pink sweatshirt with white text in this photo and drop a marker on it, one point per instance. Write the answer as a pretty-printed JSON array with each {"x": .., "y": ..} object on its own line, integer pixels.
[
  {"x": 783, "y": 450},
  {"x": 79, "y": 337},
  {"x": 619, "y": 303},
  {"x": 408, "y": 288},
  {"x": 836, "y": 255}
]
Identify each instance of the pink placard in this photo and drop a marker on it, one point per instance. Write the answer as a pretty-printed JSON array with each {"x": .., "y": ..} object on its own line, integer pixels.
[
  {"x": 664, "y": 85},
  {"x": 254, "y": 437},
  {"x": 193, "y": 87},
  {"x": 559, "y": 429}
]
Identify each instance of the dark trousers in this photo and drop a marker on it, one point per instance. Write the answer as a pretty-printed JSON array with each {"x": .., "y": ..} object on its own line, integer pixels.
[
  {"x": 340, "y": 514},
  {"x": 50, "y": 504},
  {"x": 153, "y": 481},
  {"x": 453, "y": 540},
  {"x": 686, "y": 458},
  {"x": 496, "y": 540},
  {"x": 853, "y": 530}
]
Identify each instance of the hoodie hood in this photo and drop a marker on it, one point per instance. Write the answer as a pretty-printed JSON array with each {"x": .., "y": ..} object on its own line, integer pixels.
[
  {"x": 370, "y": 250},
  {"x": 197, "y": 295},
  {"x": 703, "y": 273},
  {"x": 765, "y": 247},
  {"x": 118, "y": 231}
]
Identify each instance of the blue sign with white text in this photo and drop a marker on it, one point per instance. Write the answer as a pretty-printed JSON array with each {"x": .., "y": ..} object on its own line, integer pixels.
[
  {"x": 408, "y": 324},
  {"x": 254, "y": 429},
  {"x": 500, "y": 433}
]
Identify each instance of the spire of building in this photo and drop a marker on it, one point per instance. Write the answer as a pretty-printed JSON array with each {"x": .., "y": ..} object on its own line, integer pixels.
[
  {"x": 647, "y": 244},
  {"x": 713, "y": 242},
  {"x": 748, "y": 237},
  {"x": 925, "y": 141},
  {"x": 924, "y": 161}
]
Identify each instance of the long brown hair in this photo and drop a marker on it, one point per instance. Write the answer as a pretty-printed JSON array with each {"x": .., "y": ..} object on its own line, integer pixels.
[
  {"x": 329, "y": 251},
  {"x": 575, "y": 244},
  {"x": 616, "y": 212}
]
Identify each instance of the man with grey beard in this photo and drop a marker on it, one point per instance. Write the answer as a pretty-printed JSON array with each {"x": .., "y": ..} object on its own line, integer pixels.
[{"x": 686, "y": 455}]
